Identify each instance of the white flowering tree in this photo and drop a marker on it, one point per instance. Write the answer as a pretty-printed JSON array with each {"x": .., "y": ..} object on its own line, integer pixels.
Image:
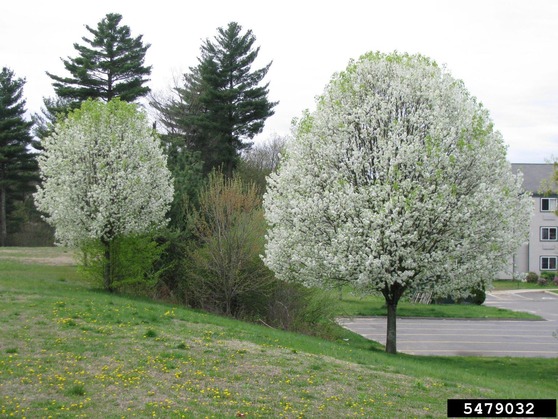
[
  {"x": 397, "y": 182},
  {"x": 104, "y": 176}
]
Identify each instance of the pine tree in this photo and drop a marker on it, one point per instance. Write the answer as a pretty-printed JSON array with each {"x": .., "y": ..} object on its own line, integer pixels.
[
  {"x": 18, "y": 167},
  {"x": 44, "y": 122},
  {"x": 221, "y": 105},
  {"x": 110, "y": 65}
]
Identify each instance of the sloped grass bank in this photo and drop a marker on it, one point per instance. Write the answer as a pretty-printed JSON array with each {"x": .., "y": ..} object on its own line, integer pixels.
[{"x": 67, "y": 350}]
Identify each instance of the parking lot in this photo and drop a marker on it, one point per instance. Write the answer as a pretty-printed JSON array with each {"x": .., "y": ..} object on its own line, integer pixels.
[{"x": 519, "y": 338}]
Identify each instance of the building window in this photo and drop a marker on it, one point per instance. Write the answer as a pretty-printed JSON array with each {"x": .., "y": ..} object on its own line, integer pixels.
[
  {"x": 548, "y": 204},
  {"x": 548, "y": 263},
  {"x": 549, "y": 233}
]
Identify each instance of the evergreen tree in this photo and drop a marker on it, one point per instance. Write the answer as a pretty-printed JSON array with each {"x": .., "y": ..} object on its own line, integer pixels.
[
  {"x": 43, "y": 122},
  {"x": 222, "y": 105},
  {"x": 110, "y": 65},
  {"x": 18, "y": 167}
]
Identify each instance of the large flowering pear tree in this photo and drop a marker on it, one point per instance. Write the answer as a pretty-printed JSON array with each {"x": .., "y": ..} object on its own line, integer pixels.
[
  {"x": 396, "y": 182},
  {"x": 104, "y": 176}
]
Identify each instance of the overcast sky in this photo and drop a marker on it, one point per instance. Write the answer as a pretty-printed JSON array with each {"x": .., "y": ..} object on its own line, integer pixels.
[{"x": 505, "y": 51}]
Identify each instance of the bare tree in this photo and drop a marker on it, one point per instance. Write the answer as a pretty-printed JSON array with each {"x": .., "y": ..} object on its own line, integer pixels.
[{"x": 230, "y": 227}]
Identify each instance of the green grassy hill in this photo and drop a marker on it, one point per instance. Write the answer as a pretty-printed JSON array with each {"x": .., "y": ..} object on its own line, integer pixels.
[{"x": 68, "y": 350}]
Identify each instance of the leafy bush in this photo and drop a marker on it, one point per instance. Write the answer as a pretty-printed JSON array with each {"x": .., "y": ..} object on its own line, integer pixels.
[
  {"x": 477, "y": 295},
  {"x": 134, "y": 261},
  {"x": 214, "y": 263},
  {"x": 532, "y": 277},
  {"x": 548, "y": 276},
  {"x": 172, "y": 266},
  {"x": 294, "y": 307},
  {"x": 542, "y": 281},
  {"x": 224, "y": 270}
]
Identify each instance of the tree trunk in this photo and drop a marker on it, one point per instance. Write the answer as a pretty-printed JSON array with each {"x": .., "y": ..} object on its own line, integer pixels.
[
  {"x": 107, "y": 268},
  {"x": 3, "y": 217},
  {"x": 392, "y": 294},
  {"x": 228, "y": 168},
  {"x": 391, "y": 337}
]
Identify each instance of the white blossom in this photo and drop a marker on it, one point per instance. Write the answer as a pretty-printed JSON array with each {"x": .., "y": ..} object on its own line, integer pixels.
[
  {"x": 103, "y": 174},
  {"x": 397, "y": 181}
]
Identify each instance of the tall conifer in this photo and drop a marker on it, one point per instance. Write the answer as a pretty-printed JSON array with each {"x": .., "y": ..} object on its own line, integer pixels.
[
  {"x": 111, "y": 64},
  {"x": 18, "y": 167},
  {"x": 222, "y": 104}
]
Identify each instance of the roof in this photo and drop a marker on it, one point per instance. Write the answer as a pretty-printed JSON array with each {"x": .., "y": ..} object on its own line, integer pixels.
[{"x": 534, "y": 174}]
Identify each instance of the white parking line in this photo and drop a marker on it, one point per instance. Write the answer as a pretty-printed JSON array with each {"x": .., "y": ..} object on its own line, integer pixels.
[
  {"x": 472, "y": 342},
  {"x": 474, "y": 337},
  {"x": 472, "y": 351}
]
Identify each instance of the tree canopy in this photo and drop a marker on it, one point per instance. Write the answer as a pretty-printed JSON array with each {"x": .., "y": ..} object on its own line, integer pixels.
[
  {"x": 18, "y": 167},
  {"x": 104, "y": 175},
  {"x": 397, "y": 182},
  {"x": 222, "y": 104},
  {"x": 110, "y": 64}
]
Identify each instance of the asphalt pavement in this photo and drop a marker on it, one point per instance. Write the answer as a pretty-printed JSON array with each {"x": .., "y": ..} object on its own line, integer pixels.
[{"x": 456, "y": 337}]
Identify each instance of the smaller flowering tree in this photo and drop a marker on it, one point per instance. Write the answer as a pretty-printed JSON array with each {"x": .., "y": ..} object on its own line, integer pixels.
[
  {"x": 104, "y": 176},
  {"x": 396, "y": 182}
]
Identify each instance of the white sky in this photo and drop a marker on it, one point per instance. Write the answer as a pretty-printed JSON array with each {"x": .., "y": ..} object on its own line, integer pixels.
[{"x": 506, "y": 51}]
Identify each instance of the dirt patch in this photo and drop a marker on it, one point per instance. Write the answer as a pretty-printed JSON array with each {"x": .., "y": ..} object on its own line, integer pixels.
[
  {"x": 54, "y": 256},
  {"x": 57, "y": 261}
]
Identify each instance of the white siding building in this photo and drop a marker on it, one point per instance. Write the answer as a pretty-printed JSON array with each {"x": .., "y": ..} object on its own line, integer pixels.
[{"x": 540, "y": 253}]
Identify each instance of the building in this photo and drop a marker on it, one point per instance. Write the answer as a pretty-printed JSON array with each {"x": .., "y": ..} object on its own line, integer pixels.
[{"x": 540, "y": 253}]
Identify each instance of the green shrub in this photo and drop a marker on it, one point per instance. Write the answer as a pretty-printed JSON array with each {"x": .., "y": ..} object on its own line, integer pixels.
[
  {"x": 224, "y": 270},
  {"x": 548, "y": 276},
  {"x": 171, "y": 266},
  {"x": 299, "y": 309},
  {"x": 532, "y": 277},
  {"x": 214, "y": 264},
  {"x": 477, "y": 295},
  {"x": 134, "y": 262}
]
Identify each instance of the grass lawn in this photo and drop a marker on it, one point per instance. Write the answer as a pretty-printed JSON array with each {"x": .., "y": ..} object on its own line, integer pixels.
[
  {"x": 502, "y": 285},
  {"x": 356, "y": 305},
  {"x": 69, "y": 350}
]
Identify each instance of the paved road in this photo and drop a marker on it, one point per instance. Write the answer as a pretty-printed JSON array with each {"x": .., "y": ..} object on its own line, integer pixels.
[{"x": 518, "y": 338}]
